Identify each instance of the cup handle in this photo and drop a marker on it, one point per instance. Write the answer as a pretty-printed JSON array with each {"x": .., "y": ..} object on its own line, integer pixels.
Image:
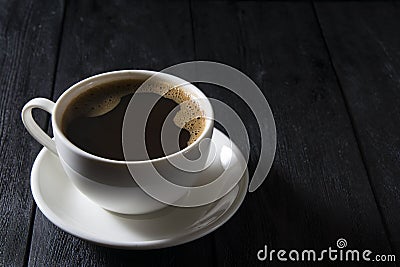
[{"x": 31, "y": 125}]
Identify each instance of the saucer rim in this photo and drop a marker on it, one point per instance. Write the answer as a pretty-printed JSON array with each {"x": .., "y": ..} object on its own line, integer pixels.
[{"x": 182, "y": 238}]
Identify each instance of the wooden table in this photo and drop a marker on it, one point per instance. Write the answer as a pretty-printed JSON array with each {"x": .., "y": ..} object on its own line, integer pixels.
[{"x": 330, "y": 71}]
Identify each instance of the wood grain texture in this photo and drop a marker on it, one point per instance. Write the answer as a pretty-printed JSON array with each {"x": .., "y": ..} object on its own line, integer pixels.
[
  {"x": 100, "y": 37},
  {"x": 364, "y": 44},
  {"x": 318, "y": 189},
  {"x": 29, "y": 33}
]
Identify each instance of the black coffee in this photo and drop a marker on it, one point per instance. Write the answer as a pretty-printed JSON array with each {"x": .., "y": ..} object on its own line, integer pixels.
[{"x": 94, "y": 121}]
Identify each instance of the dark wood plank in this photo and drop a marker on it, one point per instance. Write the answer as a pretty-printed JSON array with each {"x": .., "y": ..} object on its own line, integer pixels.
[
  {"x": 364, "y": 44},
  {"x": 29, "y": 33},
  {"x": 110, "y": 36},
  {"x": 318, "y": 189}
]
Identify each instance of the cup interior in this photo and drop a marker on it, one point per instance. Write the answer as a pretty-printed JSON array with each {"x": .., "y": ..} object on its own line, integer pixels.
[{"x": 149, "y": 78}]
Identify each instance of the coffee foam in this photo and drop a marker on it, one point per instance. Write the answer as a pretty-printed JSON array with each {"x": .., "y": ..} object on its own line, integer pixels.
[
  {"x": 101, "y": 99},
  {"x": 189, "y": 117}
]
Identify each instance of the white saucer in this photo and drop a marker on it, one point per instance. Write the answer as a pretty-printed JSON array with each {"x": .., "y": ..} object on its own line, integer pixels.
[{"x": 74, "y": 213}]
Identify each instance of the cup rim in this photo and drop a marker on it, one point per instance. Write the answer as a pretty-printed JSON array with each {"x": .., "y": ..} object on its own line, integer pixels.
[{"x": 199, "y": 95}]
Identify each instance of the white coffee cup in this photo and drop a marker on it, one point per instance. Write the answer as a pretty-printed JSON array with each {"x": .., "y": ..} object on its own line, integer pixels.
[{"x": 108, "y": 182}]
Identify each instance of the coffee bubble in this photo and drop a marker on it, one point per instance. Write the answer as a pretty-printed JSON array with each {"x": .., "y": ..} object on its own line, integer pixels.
[{"x": 101, "y": 99}]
